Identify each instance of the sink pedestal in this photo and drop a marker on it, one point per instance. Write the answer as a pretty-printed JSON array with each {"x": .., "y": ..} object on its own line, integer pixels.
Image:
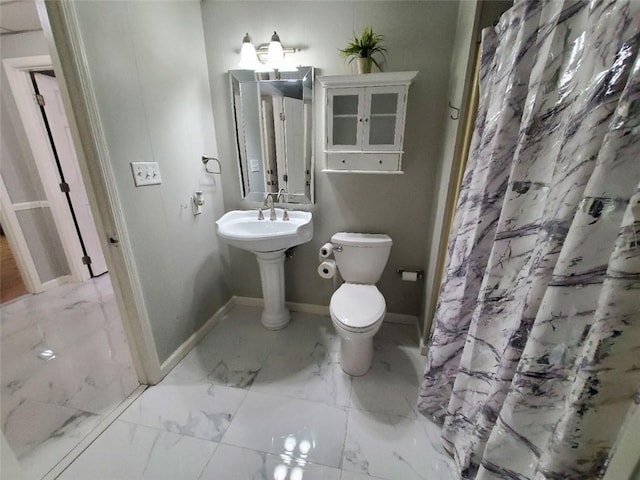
[
  {"x": 275, "y": 315},
  {"x": 268, "y": 240}
]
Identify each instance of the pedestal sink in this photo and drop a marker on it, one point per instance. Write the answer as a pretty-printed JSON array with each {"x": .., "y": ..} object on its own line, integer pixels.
[{"x": 268, "y": 239}]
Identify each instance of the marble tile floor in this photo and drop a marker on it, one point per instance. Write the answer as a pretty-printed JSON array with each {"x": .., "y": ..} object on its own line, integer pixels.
[
  {"x": 248, "y": 403},
  {"x": 48, "y": 405}
]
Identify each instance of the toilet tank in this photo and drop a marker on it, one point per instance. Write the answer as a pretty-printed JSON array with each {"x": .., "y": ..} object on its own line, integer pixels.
[{"x": 363, "y": 255}]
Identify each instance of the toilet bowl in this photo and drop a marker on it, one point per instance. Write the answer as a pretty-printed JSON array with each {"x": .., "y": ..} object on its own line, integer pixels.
[
  {"x": 357, "y": 308},
  {"x": 357, "y": 312}
]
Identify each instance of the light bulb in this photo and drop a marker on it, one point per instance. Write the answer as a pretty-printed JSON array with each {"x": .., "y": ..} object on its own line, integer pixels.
[
  {"x": 248, "y": 56},
  {"x": 275, "y": 54}
]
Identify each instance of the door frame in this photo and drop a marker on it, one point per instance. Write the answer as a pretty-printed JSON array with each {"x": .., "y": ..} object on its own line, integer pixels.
[
  {"x": 17, "y": 70},
  {"x": 61, "y": 30},
  {"x": 17, "y": 242}
]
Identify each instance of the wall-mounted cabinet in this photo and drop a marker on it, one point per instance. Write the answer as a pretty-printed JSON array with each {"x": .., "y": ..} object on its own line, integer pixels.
[{"x": 364, "y": 117}]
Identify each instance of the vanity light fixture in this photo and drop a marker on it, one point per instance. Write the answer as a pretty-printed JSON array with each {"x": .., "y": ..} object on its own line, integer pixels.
[{"x": 266, "y": 57}]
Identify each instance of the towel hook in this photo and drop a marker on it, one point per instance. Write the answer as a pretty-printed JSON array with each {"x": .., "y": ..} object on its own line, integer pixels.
[
  {"x": 206, "y": 159},
  {"x": 457, "y": 110}
]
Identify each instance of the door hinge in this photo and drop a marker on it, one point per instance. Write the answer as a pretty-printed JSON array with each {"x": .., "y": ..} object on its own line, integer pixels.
[
  {"x": 64, "y": 187},
  {"x": 282, "y": 117},
  {"x": 86, "y": 260},
  {"x": 39, "y": 99},
  {"x": 285, "y": 178}
]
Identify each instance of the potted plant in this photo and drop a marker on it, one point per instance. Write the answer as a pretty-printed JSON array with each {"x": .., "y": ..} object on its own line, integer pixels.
[{"x": 362, "y": 50}]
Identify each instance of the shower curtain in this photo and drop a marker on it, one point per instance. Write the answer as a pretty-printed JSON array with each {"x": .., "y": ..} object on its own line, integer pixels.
[{"x": 534, "y": 359}]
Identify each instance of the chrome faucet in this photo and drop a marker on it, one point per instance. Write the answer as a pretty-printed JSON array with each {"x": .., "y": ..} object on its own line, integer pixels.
[
  {"x": 281, "y": 197},
  {"x": 268, "y": 203}
]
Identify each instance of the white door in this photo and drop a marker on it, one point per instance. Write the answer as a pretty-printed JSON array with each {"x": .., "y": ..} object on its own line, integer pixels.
[
  {"x": 280, "y": 161},
  {"x": 68, "y": 163},
  {"x": 294, "y": 140}
]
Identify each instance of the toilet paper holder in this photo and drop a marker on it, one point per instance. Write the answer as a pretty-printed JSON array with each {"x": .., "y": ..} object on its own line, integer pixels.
[{"x": 419, "y": 273}]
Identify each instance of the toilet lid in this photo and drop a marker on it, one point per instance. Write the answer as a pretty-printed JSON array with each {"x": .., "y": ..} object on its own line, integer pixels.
[{"x": 357, "y": 306}]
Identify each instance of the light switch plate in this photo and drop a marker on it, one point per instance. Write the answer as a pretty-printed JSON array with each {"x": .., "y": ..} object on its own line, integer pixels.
[{"x": 146, "y": 173}]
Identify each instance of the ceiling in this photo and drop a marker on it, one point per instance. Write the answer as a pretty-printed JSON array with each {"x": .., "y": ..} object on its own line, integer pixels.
[{"x": 18, "y": 16}]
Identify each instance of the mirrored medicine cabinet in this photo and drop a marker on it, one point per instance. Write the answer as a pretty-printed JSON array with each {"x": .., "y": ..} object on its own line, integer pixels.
[{"x": 273, "y": 119}]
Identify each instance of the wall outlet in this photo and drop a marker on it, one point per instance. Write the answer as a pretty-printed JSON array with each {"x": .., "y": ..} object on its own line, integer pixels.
[{"x": 146, "y": 173}]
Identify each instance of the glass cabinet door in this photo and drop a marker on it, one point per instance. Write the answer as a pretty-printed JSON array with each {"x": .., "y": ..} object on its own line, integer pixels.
[
  {"x": 345, "y": 119},
  {"x": 383, "y": 119}
]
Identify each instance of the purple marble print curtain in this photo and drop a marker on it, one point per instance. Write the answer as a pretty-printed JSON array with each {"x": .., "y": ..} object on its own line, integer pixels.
[{"x": 534, "y": 359}]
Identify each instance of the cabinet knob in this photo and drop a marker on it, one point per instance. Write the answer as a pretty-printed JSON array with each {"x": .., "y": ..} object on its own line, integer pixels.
[
  {"x": 366, "y": 119},
  {"x": 344, "y": 161},
  {"x": 360, "y": 120}
]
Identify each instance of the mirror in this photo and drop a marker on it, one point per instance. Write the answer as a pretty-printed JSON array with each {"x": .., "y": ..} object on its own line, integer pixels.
[{"x": 273, "y": 116}]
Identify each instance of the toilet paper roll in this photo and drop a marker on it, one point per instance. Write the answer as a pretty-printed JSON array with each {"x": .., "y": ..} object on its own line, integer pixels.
[
  {"x": 327, "y": 269},
  {"x": 410, "y": 276},
  {"x": 326, "y": 250}
]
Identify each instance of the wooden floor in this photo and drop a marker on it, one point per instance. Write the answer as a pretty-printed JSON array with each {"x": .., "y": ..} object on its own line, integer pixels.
[{"x": 11, "y": 284}]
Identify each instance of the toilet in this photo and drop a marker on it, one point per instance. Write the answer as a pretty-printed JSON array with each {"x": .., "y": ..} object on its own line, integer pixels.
[{"x": 357, "y": 308}]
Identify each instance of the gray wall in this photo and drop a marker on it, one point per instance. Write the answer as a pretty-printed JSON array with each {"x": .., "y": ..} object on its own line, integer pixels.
[
  {"x": 148, "y": 68},
  {"x": 461, "y": 69},
  {"x": 419, "y": 36},
  {"x": 18, "y": 168},
  {"x": 491, "y": 11},
  {"x": 472, "y": 18}
]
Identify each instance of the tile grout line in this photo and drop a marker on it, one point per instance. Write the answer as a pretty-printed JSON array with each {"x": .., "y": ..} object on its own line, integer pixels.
[
  {"x": 348, "y": 410},
  {"x": 66, "y": 461},
  {"x": 271, "y": 350},
  {"x": 345, "y": 408},
  {"x": 206, "y": 464},
  {"x": 246, "y": 394},
  {"x": 274, "y": 454}
]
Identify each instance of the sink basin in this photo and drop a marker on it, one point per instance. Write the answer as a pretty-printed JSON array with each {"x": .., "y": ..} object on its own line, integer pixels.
[
  {"x": 242, "y": 229},
  {"x": 268, "y": 240}
]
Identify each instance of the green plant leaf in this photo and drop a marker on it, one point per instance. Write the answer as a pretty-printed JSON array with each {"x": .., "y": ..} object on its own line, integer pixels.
[{"x": 368, "y": 44}]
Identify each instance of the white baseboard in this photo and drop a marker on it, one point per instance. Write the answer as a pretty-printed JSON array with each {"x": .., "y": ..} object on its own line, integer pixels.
[
  {"x": 192, "y": 341},
  {"x": 401, "y": 318},
  {"x": 248, "y": 301},
  {"x": 324, "y": 310},
  {"x": 308, "y": 308}
]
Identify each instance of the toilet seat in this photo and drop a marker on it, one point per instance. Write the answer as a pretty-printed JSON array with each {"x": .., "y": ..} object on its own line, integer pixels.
[{"x": 357, "y": 308}]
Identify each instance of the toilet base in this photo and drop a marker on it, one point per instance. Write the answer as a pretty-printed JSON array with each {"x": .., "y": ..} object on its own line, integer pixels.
[{"x": 356, "y": 355}]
